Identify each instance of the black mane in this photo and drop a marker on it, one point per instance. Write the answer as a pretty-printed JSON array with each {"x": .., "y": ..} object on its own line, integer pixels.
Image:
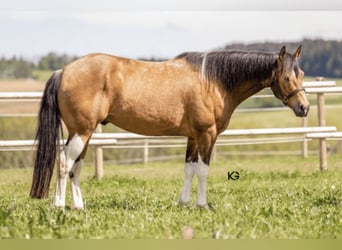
[{"x": 233, "y": 67}]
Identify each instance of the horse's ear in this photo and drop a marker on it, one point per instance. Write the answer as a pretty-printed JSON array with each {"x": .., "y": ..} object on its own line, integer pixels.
[
  {"x": 297, "y": 53},
  {"x": 282, "y": 53}
]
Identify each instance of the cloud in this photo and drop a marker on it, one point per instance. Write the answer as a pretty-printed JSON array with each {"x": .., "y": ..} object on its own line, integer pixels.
[
  {"x": 155, "y": 33},
  {"x": 172, "y": 5}
]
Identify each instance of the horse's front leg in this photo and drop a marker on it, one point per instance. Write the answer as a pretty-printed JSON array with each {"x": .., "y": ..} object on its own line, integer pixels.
[
  {"x": 206, "y": 142},
  {"x": 202, "y": 171},
  {"x": 191, "y": 159}
]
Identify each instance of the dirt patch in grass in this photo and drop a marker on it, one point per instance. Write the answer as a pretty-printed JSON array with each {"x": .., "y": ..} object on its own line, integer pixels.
[
  {"x": 19, "y": 106},
  {"x": 21, "y": 85}
]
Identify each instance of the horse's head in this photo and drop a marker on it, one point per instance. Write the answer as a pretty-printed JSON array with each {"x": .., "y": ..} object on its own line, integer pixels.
[{"x": 287, "y": 82}]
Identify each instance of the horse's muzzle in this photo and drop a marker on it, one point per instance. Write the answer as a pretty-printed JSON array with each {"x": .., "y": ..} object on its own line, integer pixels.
[{"x": 301, "y": 110}]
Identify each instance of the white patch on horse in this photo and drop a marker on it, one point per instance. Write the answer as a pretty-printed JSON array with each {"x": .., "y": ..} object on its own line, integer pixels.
[
  {"x": 189, "y": 172},
  {"x": 76, "y": 195},
  {"x": 202, "y": 171},
  {"x": 58, "y": 71},
  {"x": 203, "y": 67},
  {"x": 61, "y": 183},
  {"x": 67, "y": 159}
]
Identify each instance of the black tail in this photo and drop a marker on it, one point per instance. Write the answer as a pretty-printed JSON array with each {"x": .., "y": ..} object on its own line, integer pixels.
[{"x": 47, "y": 136}]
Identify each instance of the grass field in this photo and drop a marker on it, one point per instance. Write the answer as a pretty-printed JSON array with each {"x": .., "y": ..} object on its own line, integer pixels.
[
  {"x": 278, "y": 197},
  {"x": 273, "y": 199}
]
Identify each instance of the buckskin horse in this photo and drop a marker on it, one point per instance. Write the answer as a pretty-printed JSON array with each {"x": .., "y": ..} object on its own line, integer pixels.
[{"x": 192, "y": 95}]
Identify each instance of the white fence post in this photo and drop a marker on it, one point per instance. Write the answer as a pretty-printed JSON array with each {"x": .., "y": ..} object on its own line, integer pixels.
[
  {"x": 305, "y": 142},
  {"x": 146, "y": 151},
  {"x": 98, "y": 157},
  {"x": 323, "y": 164}
]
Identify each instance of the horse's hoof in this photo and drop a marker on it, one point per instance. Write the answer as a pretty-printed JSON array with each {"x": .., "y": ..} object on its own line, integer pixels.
[
  {"x": 74, "y": 207},
  {"x": 59, "y": 207},
  {"x": 183, "y": 204},
  {"x": 202, "y": 206}
]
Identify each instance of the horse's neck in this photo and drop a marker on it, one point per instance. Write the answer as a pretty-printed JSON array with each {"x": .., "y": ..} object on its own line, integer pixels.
[{"x": 247, "y": 89}]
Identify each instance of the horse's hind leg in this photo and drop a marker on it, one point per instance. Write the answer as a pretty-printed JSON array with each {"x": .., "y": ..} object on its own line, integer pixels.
[
  {"x": 68, "y": 157},
  {"x": 74, "y": 174},
  {"x": 76, "y": 194}
]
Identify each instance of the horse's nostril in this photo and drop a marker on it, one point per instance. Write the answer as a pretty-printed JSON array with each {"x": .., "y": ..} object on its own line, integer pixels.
[{"x": 303, "y": 110}]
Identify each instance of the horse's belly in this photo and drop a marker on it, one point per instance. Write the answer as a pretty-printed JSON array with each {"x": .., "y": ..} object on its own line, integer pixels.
[{"x": 149, "y": 118}]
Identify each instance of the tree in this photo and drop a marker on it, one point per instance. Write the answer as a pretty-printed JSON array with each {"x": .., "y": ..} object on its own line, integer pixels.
[
  {"x": 53, "y": 61},
  {"x": 15, "y": 68},
  {"x": 319, "y": 57}
]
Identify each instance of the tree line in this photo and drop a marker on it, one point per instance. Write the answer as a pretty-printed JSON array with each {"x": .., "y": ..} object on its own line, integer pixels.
[
  {"x": 18, "y": 67},
  {"x": 319, "y": 58}
]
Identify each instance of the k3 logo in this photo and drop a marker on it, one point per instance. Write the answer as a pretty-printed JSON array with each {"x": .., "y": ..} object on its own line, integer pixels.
[{"x": 233, "y": 175}]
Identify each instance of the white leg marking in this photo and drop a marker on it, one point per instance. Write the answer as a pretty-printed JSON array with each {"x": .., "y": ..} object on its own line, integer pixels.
[
  {"x": 189, "y": 172},
  {"x": 202, "y": 171},
  {"x": 76, "y": 195},
  {"x": 61, "y": 182},
  {"x": 67, "y": 159}
]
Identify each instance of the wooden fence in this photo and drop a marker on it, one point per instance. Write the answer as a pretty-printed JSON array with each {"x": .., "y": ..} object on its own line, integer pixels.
[{"x": 322, "y": 132}]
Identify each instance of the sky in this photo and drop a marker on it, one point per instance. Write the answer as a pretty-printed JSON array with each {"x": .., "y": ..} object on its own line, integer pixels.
[{"x": 163, "y": 29}]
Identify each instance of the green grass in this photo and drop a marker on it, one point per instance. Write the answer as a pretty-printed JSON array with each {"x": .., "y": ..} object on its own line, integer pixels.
[
  {"x": 278, "y": 197},
  {"x": 275, "y": 198},
  {"x": 41, "y": 75}
]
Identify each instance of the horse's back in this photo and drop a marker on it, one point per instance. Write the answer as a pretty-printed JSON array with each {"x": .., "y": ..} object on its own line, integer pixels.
[{"x": 151, "y": 98}]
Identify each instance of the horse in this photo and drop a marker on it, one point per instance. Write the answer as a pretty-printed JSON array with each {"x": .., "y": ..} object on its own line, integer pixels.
[{"x": 193, "y": 94}]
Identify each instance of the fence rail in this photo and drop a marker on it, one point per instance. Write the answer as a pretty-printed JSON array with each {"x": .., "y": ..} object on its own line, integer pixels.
[
  {"x": 111, "y": 139},
  {"x": 311, "y": 87},
  {"x": 19, "y": 145},
  {"x": 125, "y": 140},
  {"x": 20, "y": 95}
]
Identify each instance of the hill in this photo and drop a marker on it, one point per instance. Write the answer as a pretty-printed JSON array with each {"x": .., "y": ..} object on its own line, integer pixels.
[{"x": 319, "y": 57}]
